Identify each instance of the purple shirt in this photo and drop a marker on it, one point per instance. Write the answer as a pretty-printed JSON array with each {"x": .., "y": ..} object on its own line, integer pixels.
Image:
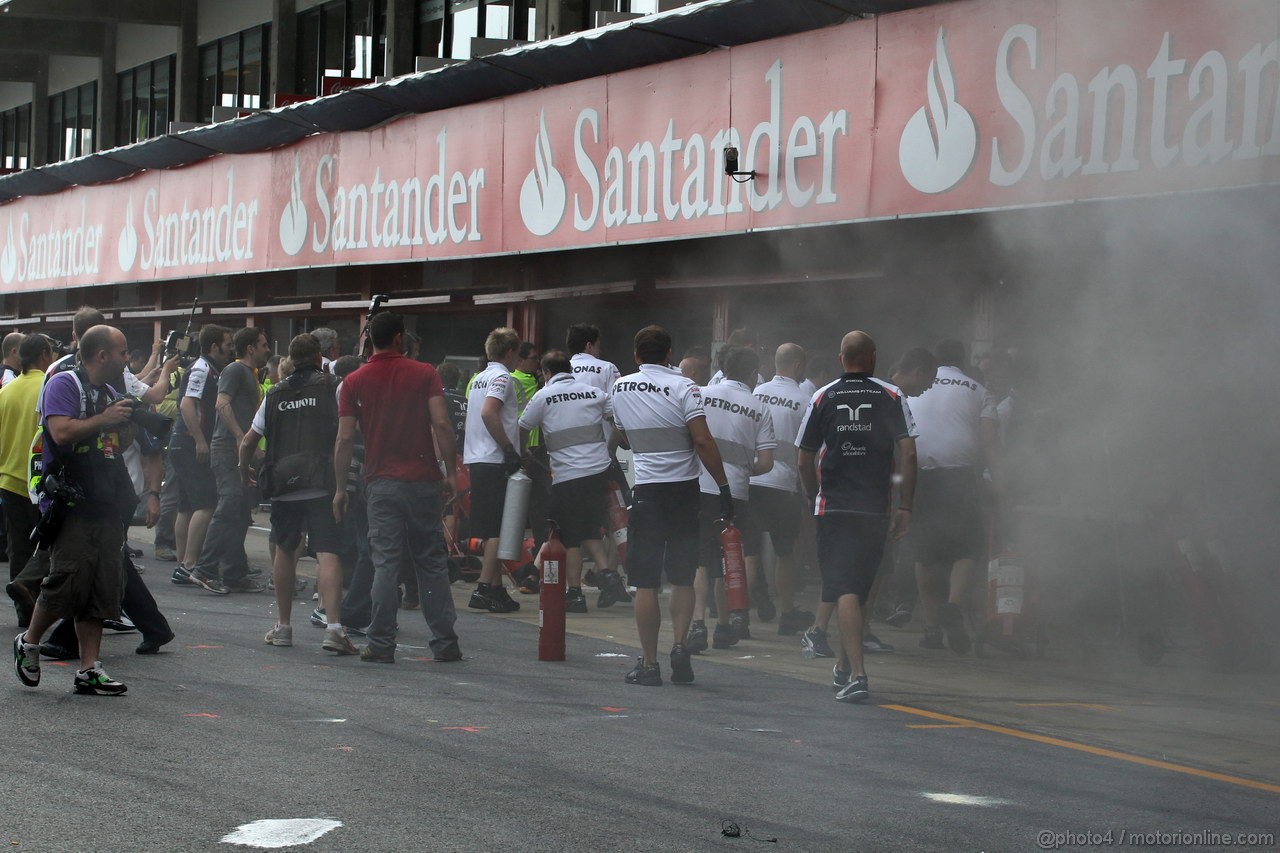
[{"x": 61, "y": 396}]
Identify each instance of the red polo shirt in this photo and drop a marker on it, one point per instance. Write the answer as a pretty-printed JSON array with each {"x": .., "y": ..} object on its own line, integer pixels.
[{"x": 388, "y": 398}]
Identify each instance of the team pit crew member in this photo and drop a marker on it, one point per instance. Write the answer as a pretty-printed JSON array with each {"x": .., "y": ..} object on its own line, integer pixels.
[
  {"x": 661, "y": 415},
  {"x": 571, "y": 414},
  {"x": 853, "y": 426},
  {"x": 959, "y": 432},
  {"x": 743, "y": 431},
  {"x": 775, "y": 505},
  {"x": 913, "y": 376},
  {"x": 491, "y": 455},
  {"x": 585, "y": 345}
]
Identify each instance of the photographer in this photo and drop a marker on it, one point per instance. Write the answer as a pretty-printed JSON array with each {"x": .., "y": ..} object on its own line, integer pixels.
[{"x": 87, "y": 501}]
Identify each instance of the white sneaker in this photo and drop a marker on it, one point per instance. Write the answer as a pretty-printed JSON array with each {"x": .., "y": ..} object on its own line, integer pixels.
[
  {"x": 337, "y": 641},
  {"x": 280, "y": 635}
]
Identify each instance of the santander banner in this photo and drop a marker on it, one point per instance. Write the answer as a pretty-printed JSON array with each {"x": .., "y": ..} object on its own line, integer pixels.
[{"x": 970, "y": 106}]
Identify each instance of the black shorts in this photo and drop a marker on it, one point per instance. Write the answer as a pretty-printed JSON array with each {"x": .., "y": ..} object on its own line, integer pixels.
[
  {"x": 577, "y": 508},
  {"x": 197, "y": 487},
  {"x": 290, "y": 519},
  {"x": 488, "y": 495},
  {"x": 709, "y": 529},
  {"x": 777, "y": 513},
  {"x": 662, "y": 534},
  {"x": 849, "y": 551},
  {"x": 946, "y": 525}
]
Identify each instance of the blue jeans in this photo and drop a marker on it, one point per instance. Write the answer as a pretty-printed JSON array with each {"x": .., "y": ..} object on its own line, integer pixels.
[{"x": 404, "y": 524}]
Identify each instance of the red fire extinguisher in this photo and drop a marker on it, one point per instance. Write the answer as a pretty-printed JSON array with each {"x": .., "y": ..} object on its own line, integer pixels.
[
  {"x": 735, "y": 569},
  {"x": 618, "y": 518},
  {"x": 551, "y": 597}
]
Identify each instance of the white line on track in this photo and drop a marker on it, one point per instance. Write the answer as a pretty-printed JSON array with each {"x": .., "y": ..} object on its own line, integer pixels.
[
  {"x": 965, "y": 800},
  {"x": 272, "y": 834}
]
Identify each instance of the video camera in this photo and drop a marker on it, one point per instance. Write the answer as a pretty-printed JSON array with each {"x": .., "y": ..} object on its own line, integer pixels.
[
  {"x": 184, "y": 344},
  {"x": 58, "y": 347},
  {"x": 375, "y": 307}
]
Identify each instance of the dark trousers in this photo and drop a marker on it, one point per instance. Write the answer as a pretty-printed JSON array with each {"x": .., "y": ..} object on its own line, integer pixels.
[
  {"x": 137, "y": 603},
  {"x": 357, "y": 602},
  {"x": 222, "y": 554},
  {"x": 165, "y": 536},
  {"x": 21, "y": 517}
]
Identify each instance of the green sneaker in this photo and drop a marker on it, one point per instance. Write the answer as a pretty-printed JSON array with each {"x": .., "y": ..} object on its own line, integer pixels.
[
  {"x": 96, "y": 682},
  {"x": 26, "y": 660}
]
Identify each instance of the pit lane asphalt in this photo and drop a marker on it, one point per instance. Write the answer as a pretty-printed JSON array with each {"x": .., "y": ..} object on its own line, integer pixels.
[{"x": 503, "y": 752}]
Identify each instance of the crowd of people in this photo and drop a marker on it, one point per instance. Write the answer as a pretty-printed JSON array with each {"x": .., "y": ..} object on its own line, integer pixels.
[{"x": 380, "y": 465}]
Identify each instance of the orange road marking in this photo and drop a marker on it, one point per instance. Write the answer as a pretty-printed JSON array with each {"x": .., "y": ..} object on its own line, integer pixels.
[
  {"x": 1092, "y": 750},
  {"x": 941, "y": 726}
]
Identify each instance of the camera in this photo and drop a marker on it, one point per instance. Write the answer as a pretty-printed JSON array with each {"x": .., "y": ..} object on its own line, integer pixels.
[
  {"x": 185, "y": 345},
  {"x": 62, "y": 495},
  {"x": 152, "y": 421}
]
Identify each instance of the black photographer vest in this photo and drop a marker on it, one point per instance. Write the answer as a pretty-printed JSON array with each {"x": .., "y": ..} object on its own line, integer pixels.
[
  {"x": 302, "y": 425},
  {"x": 96, "y": 464}
]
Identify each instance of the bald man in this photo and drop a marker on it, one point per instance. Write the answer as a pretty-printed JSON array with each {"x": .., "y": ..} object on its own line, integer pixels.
[
  {"x": 854, "y": 425},
  {"x": 12, "y": 365},
  {"x": 773, "y": 495}
]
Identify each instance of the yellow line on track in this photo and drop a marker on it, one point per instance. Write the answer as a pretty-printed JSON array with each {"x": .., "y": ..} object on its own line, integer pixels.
[{"x": 961, "y": 722}]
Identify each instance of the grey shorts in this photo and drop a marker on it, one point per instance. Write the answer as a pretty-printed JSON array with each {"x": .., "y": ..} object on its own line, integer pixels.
[{"x": 86, "y": 570}]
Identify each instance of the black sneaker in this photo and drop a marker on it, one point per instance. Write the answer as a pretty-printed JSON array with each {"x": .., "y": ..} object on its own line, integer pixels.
[
  {"x": 874, "y": 645},
  {"x": 451, "y": 653},
  {"x": 681, "y": 666},
  {"x": 181, "y": 576},
  {"x": 855, "y": 691},
  {"x": 245, "y": 584},
  {"x": 765, "y": 608},
  {"x": 953, "y": 624},
  {"x": 795, "y": 620},
  {"x": 479, "y": 600},
  {"x": 318, "y": 618},
  {"x": 123, "y": 625},
  {"x": 932, "y": 639},
  {"x": 839, "y": 678},
  {"x": 24, "y": 601},
  {"x": 500, "y": 601},
  {"x": 212, "y": 583},
  {"x": 612, "y": 590},
  {"x": 740, "y": 624},
  {"x": 575, "y": 602},
  {"x": 369, "y": 654},
  {"x": 900, "y": 617},
  {"x": 724, "y": 637},
  {"x": 645, "y": 676},
  {"x": 696, "y": 642},
  {"x": 151, "y": 645},
  {"x": 813, "y": 644},
  {"x": 26, "y": 660},
  {"x": 95, "y": 682},
  {"x": 591, "y": 578}
]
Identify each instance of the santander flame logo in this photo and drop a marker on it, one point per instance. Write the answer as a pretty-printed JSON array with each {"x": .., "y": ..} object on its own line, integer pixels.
[
  {"x": 542, "y": 196},
  {"x": 293, "y": 219},
  {"x": 127, "y": 248},
  {"x": 8, "y": 257},
  {"x": 940, "y": 141}
]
